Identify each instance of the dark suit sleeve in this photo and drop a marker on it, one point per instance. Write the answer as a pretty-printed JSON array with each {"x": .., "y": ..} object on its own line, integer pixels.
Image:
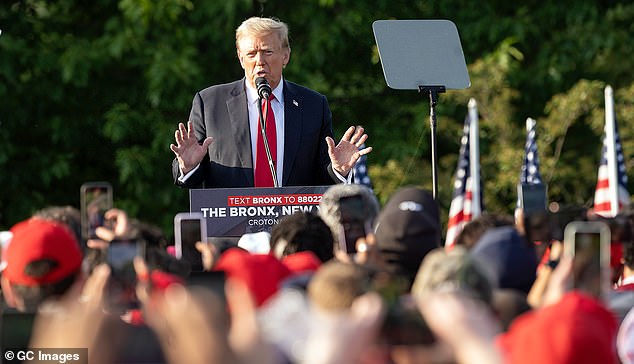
[
  {"x": 327, "y": 176},
  {"x": 197, "y": 178}
]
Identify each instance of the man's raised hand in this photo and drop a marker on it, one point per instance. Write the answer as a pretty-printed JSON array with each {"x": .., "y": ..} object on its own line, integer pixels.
[
  {"x": 188, "y": 152},
  {"x": 344, "y": 155}
]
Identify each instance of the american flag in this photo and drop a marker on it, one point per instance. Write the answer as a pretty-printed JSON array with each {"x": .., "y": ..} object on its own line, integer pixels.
[
  {"x": 360, "y": 171},
  {"x": 530, "y": 166},
  {"x": 529, "y": 173},
  {"x": 611, "y": 167},
  {"x": 463, "y": 205}
]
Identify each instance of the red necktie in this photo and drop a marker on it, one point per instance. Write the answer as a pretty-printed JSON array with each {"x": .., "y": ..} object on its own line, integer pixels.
[{"x": 262, "y": 171}]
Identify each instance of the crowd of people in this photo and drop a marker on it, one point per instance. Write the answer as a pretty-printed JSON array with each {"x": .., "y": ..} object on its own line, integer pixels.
[
  {"x": 304, "y": 294},
  {"x": 353, "y": 283}
]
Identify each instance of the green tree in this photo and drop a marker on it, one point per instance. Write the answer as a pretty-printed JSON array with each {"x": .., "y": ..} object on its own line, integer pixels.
[{"x": 94, "y": 91}]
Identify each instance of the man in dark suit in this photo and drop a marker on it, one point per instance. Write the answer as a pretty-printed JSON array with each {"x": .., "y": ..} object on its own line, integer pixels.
[{"x": 218, "y": 146}]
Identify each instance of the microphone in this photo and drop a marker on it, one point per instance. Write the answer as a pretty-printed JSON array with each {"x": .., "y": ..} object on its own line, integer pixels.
[{"x": 264, "y": 89}]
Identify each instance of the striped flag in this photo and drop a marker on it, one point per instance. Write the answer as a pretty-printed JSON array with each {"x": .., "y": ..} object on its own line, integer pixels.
[
  {"x": 611, "y": 194},
  {"x": 529, "y": 173},
  {"x": 466, "y": 202},
  {"x": 360, "y": 171},
  {"x": 530, "y": 166}
]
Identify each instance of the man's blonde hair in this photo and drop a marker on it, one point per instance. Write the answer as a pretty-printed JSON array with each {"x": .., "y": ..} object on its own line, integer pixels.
[{"x": 255, "y": 26}]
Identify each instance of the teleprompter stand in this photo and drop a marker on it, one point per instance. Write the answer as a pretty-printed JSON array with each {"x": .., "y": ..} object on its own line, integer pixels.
[
  {"x": 433, "y": 92},
  {"x": 423, "y": 55}
]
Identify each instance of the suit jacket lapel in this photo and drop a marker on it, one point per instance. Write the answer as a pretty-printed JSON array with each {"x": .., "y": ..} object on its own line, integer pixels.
[
  {"x": 238, "y": 114},
  {"x": 292, "y": 129}
]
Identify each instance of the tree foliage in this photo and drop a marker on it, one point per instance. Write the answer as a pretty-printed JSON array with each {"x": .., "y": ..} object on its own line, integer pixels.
[{"x": 94, "y": 91}]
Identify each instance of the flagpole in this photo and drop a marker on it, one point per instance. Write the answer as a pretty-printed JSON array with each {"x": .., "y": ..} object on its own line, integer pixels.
[
  {"x": 530, "y": 123},
  {"x": 611, "y": 151},
  {"x": 474, "y": 154}
]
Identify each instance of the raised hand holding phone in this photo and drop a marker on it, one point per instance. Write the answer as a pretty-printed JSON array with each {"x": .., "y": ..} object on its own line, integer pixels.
[
  {"x": 118, "y": 228},
  {"x": 189, "y": 229},
  {"x": 95, "y": 200},
  {"x": 588, "y": 243},
  {"x": 122, "y": 284},
  {"x": 353, "y": 224}
]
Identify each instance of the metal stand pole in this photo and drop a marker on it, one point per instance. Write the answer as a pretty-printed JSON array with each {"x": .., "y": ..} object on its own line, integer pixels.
[{"x": 433, "y": 100}]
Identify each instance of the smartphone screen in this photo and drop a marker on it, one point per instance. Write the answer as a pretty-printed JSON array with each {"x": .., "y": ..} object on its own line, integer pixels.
[
  {"x": 589, "y": 243},
  {"x": 532, "y": 197},
  {"x": 560, "y": 219},
  {"x": 121, "y": 255},
  {"x": 189, "y": 228},
  {"x": 122, "y": 283},
  {"x": 96, "y": 199},
  {"x": 351, "y": 210},
  {"x": 213, "y": 281}
]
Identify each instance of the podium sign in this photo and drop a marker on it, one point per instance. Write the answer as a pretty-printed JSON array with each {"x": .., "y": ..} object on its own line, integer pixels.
[{"x": 232, "y": 212}]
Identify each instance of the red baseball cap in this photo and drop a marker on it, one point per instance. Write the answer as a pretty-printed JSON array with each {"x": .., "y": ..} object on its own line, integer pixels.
[
  {"x": 37, "y": 239},
  {"x": 262, "y": 273},
  {"x": 578, "y": 329},
  {"x": 301, "y": 262}
]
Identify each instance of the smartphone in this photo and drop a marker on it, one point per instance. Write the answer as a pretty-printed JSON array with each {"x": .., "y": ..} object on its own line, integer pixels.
[
  {"x": 213, "y": 281},
  {"x": 532, "y": 197},
  {"x": 588, "y": 242},
  {"x": 353, "y": 224},
  {"x": 15, "y": 329},
  {"x": 96, "y": 199},
  {"x": 122, "y": 283},
  {"x": 560, "y": 219},
  {"x": 190, "y": 228}
]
